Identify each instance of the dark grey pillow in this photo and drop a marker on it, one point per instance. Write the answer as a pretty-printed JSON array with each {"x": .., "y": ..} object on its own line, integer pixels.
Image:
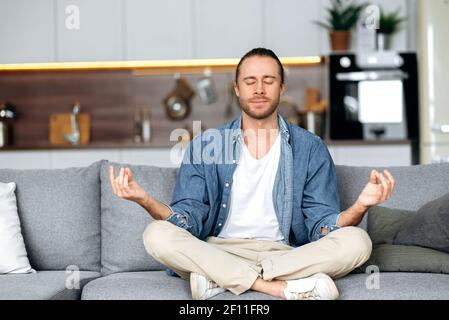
[
  {"x": 385, "y": 223},
  {"x": 398, "y": 258},
  {"x": 429, "y": 227}
]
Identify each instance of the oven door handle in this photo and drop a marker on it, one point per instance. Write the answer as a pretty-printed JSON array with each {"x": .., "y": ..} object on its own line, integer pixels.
[
  {"x": 441, "y": 128},
  {"x": 371, "y": 75}
]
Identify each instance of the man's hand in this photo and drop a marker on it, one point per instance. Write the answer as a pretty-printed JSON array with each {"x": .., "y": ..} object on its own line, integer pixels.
[
  {"x": 125, "y": 187},
  {"x": 379, "y": 189}
]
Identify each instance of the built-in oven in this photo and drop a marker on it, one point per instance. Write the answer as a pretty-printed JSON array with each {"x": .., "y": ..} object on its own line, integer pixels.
[{"x": 373, "y": 96}]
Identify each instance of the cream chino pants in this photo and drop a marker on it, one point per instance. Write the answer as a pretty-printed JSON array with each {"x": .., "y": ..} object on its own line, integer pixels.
[{"x": 235, "y": 264}]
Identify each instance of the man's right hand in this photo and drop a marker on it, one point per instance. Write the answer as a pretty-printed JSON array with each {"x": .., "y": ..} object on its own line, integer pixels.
[{"x": 125, "y": 187}]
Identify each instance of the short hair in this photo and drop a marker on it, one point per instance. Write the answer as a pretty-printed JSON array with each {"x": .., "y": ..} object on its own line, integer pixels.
[{"x": 261, "y": 52}]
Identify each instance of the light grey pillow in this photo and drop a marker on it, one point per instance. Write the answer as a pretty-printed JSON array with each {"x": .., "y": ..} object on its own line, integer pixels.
[{"x": 429, "y": 227}]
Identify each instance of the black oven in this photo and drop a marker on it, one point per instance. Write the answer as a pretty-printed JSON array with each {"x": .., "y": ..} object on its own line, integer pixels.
[{"x": 373, "y": 96}]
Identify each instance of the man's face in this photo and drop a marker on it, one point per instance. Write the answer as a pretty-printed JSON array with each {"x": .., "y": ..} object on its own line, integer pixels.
[{"x": 259, "y": 86}]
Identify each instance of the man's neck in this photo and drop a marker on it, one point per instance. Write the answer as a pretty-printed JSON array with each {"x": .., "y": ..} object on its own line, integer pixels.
[
  {"x": 260, "y": 135},
  {"x": 270, "y": 123}
]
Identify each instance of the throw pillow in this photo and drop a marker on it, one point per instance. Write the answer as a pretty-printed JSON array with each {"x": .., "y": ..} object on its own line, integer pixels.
[
  {"x": 429, "y": 227},
  {"x": 13, "y": 255},
  {"x": 398, "y": 258},
  {"x": 384, "y": 223}
]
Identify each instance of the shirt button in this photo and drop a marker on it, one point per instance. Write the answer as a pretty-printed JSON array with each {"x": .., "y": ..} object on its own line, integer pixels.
[
  {"x": 224, "y": 205},
  {"x": 233, "y": 161},
  {"x": 226, "y": 184},
  {"x": 219, "y": 224}
]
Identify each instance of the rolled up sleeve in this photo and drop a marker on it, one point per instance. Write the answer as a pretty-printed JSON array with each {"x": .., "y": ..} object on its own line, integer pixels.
[
  {"x": 321, "y": 200},
  {"x": 189, "y": 205}
]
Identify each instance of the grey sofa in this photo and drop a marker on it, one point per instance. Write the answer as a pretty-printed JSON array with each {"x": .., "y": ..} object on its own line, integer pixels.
[{"x": 70, "y": 217}]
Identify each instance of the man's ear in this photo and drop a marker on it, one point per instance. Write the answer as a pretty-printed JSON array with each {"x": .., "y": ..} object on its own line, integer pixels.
[
  {"x": 283, "y": 88},
  {"x": 236, "y": 89}
]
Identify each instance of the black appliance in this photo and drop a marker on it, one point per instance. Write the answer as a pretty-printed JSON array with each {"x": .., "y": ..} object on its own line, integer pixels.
[{"x": 373, "y": 96}]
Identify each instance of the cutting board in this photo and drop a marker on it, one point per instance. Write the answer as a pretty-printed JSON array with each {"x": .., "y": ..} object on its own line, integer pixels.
[{"x": 60, "y": 125}]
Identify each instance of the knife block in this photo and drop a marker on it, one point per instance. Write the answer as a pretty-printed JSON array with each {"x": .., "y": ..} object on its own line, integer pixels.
[{"x": 60, "y": 125}]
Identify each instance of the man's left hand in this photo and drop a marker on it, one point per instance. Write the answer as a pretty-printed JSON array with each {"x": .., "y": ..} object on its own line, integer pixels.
[{"x": 379, "y": 189}]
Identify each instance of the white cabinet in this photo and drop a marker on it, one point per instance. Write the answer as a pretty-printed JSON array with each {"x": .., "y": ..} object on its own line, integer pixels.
[
  {"x": 89, "y": 30},
  {"x": 290, "y": 28},
  {"x": 158, "y": 29},
  {"x": 25, "y": 160},
  {"x": 151, "y": 157},
  {"x": 371, "y": 155},
  {"x": 227, "y": 29},
  {"x": 81, "y": 158},
  {"x": 27, "y": 31}
]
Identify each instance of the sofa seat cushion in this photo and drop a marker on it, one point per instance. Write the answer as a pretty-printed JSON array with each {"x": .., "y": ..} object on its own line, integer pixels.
[
  {"x": 149, "y": 285},
  {"x": 43, "y": 285},
  {"x": 394, "y": 286},
  {"x": 157, "y": 285}
]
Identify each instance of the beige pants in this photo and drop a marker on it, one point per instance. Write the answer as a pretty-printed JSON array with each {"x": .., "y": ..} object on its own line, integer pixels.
[{"x": 235, "y": 264}]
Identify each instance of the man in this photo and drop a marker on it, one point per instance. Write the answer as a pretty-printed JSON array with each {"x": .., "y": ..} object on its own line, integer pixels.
[{"x": 264, "y": 214}]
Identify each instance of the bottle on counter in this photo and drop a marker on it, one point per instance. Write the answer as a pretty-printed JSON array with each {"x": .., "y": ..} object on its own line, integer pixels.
[
  {"x": 137, "y": 129},
  {"x": 146, "y": 125}
]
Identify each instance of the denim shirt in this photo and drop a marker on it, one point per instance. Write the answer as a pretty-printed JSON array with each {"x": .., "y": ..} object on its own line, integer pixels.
[{"x": 305, "y": 192}]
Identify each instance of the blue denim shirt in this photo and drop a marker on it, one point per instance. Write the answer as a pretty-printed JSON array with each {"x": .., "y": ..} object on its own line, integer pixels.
[{"x": 305, "y": 192}]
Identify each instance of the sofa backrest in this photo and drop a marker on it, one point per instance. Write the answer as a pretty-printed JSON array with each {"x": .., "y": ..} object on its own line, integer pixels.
[
  {"x": 123, "y": 222},
  {"x": 59, "y": 212},
  {"x": 415, "y": 185}
]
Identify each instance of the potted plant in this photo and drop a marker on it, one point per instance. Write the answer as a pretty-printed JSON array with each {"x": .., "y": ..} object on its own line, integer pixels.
[
  {"x": 343, "y": 16},
  {"x": 389, "y": 24}
]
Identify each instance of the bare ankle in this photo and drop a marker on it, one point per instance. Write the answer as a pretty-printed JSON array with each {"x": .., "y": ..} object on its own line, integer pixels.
[{"x": 273, "y": 288}]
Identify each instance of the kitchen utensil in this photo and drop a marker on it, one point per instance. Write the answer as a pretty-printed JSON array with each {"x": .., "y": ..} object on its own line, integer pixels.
[
  {"x": 177, "y": 102},
  {"x": 7, "y": 113},
  {"x": 206, "y": 88},
  {"x": 70, "y": 127}
]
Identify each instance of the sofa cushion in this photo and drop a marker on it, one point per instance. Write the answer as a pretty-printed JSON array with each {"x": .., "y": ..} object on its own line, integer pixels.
[
  {"x": 43, "y": 285},
  {"x": 59, "y": 211},
  {"x": 415, "y": 185},
  {"x": 398, "y": 258},
  {"x": 428, "y": 227},
  {"x": 149, "y": 285},
  {"x": 157, "y": 285},
  {"x": 394, "y": 286},
  {"x": 123, "y": 222}
]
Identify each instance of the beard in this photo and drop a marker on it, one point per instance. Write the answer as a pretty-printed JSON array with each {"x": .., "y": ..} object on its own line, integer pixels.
[{"x": 259, "y": 114}]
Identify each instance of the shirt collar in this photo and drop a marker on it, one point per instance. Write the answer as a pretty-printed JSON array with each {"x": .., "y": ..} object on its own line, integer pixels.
[{"x": 236, "y": 128}]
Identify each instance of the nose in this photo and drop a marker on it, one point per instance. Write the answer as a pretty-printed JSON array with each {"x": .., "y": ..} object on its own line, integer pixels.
[{"x": 259, "y": 90}]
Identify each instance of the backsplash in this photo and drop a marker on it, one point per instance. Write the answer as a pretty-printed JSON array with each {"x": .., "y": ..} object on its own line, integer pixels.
[{"x": 110, "y": 98}]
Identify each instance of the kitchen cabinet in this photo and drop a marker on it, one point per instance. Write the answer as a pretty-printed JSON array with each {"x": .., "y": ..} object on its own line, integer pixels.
[
  {"x": 81, "y": 158},
  {"x": 378, "y": 155},
  {"x": 290, "y": 28},
  {"x": 227, "y": 29},
  {"x": 89, "y": 30},
  {"x": 27, "y": 31},
  {"x": 25, "y": 160},
  {"x": 371, "y": 155},
  {"x": 158, "y": 29}
]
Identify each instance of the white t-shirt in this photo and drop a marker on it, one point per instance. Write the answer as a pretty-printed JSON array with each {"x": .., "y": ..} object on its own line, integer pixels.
[{"x": 251, "y": 214}]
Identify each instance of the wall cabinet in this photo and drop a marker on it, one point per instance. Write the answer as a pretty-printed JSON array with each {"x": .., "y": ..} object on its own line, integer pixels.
[
  {"x": 89, "y": 30},
  {"x": 158, "y": 29},
  {"x": 94, "y": 30},
  {"x": 27, "y": 31}
]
